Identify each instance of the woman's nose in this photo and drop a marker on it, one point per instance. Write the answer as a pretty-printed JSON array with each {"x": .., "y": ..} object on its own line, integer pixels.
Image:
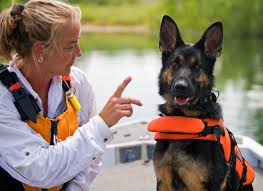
[{"x": 78, "y": 51}]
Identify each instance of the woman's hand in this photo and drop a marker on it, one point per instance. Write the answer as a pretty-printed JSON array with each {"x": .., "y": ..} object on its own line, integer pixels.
[{"x": 117, "y": 106}]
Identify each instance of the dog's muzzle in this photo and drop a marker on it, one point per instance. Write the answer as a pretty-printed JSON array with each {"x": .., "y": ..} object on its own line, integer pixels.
[{"x": 182, "y": 92}]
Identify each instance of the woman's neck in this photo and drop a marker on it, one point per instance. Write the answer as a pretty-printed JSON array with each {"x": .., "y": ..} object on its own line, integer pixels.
[{"x": 39, "y": 80}]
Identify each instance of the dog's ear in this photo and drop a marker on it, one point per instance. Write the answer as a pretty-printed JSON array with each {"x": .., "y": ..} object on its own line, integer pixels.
[
  {"x": 170, "y": 37},
  {"x": 211, "y": 41}
]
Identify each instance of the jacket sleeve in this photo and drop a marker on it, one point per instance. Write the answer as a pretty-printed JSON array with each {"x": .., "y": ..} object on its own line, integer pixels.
[
  {"x": 27, "y": 157},
  {"x": 84, "y": 179}
]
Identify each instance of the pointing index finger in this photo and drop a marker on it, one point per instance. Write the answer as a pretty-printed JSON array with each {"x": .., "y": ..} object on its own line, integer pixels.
[{"x": 118, "y": 92}]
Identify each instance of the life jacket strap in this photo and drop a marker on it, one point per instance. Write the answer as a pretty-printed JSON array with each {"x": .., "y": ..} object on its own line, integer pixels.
[
  {"x": 236, "y": 155},
  {"x": 66, "y": 83},
  {"x": 244, "y": 174},
  {"x": 232, "y": 160},
  {"x": 15, "y": 86},
  {"x": 54, "y": 131},
  {"x": 216, "y": 130},
  {"x": 24, "y": 102}
]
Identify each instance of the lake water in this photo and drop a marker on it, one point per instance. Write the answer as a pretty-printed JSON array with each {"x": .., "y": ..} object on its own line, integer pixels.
[{"x": 239, "y": 77}]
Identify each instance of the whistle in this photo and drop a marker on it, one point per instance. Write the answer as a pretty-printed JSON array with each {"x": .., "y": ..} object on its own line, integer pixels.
[{"x": 73, "y": 100}]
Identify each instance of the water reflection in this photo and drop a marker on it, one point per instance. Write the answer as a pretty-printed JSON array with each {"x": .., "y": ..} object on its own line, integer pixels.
[
  {"x": 106, "y": 71},
  {"x": 238, "y": 77}
]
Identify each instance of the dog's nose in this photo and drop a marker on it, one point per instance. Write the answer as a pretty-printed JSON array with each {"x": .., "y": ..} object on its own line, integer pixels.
[{"x": 179, "y": 88}]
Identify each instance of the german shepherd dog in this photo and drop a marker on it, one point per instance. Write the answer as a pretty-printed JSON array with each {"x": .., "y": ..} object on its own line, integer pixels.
[{"x": 185, "y": 82}]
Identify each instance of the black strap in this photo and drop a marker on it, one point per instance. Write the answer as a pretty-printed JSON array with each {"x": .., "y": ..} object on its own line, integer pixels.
[
  {"x": 66, "y": 85},
  {"x": 244, "y": 174},
  {"x": 24, "y": 102},
  {"x": 54, "y": 131},
  {"x": 233, "y": 159},
  {"x": 64, "y": 187},
  {"x": 216, "y": 130}
]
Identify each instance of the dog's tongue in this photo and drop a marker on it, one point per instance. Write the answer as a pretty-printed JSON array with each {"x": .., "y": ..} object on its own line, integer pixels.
[{"x": 179, "y": 100}]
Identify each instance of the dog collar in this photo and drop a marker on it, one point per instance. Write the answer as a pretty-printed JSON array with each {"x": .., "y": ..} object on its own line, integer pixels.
[{"x": 211, "y": 97}]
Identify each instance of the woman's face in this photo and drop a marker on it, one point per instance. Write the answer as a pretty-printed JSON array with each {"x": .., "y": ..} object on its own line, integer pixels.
[{"x": 59, "y": 59}]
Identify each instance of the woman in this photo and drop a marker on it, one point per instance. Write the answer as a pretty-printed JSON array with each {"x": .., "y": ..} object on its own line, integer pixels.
[{"x": 50, "y": 139}]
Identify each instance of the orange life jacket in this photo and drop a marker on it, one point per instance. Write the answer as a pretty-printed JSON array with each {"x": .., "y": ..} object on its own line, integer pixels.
[
  {"x": 181, "y": 128},
  {"x": 55, "y": 130}
]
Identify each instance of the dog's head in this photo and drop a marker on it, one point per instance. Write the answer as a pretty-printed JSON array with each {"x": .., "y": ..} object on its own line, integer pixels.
[{"x": 187, "y": 69}]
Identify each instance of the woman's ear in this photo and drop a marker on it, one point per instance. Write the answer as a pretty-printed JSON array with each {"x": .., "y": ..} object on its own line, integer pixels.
[{"x": 38, "y": 51}]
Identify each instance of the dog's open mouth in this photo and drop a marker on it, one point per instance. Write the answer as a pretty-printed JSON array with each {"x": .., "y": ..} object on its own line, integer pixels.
[{"x": 181, "y": 100}]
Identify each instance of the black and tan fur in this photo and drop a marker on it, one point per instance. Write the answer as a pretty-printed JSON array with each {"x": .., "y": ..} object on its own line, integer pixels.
[{"x": 187, "y": 72}]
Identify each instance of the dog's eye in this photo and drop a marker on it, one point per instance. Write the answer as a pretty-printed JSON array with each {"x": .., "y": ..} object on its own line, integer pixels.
[
  {"x": 193, "y": 62},
  {"x": 179, "y": 58},
  {"x": 175, "y": 64},
  {"x": 195, "y": 65}
]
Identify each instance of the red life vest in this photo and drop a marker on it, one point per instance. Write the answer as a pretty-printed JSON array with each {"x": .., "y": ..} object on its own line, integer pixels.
[{"x": 181, "y": 128}]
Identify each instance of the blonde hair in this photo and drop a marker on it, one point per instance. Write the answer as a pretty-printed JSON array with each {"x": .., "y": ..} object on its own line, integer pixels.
[{"x": 37, "y": 20}]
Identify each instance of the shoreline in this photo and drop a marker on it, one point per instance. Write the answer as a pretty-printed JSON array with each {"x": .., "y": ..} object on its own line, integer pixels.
[{"x": 137, "y": 29}]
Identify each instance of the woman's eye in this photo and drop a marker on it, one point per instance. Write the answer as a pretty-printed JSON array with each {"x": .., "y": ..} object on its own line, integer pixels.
[{"x": 71, "y": 46}]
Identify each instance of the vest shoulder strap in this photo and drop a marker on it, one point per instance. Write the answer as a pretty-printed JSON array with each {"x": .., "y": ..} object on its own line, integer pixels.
[
  {"x": 66, "y": 85},
  {"x": 24, "y": 102}
]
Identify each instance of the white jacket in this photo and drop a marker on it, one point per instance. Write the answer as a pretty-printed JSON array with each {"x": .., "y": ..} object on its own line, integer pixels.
[{"x": 78, "y": 157}]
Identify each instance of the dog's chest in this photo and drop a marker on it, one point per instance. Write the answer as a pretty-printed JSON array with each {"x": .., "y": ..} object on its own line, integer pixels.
[
  {"x": 182, "y": 154},
  {"x": 185, "y": 162}
]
